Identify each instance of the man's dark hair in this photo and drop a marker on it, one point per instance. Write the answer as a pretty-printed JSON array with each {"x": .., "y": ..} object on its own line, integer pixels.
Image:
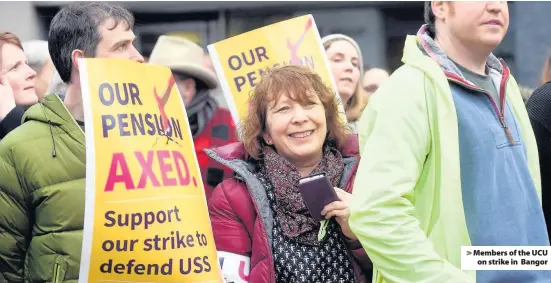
[
  {"x": 76, "y": 27},
  {"x": 429, "y": 18}
]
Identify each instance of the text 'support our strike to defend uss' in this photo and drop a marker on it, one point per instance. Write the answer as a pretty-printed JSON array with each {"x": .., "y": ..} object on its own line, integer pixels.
[{"x": 146, "y": 218}]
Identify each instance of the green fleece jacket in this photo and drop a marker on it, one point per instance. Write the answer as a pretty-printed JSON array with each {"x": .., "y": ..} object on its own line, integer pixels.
[
  {"x": 42, "y": 181},
  {"x": 407, "y": 208}
]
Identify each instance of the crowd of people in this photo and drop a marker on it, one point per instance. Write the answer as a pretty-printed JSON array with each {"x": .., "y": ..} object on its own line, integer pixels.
[{"x": 444, "y": 152}]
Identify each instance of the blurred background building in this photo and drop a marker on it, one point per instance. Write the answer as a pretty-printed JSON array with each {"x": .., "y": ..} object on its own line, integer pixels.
[{"x": 379, "y": 27}]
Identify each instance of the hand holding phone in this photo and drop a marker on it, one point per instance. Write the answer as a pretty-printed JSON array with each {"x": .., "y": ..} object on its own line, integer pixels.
[
  {"x": 317, "y": 192},
  {"x": 340, "y": 211}
]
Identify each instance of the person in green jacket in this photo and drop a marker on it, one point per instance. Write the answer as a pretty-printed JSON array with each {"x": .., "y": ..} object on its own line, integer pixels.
[
  {"x": 449, "y": 158},
  {"x": 42, "y": 162}
]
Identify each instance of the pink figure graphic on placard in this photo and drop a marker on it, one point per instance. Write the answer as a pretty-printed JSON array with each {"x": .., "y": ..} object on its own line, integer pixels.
[
  {"x": 293, "y": 48},
  {"x": 161, "y": 103}
]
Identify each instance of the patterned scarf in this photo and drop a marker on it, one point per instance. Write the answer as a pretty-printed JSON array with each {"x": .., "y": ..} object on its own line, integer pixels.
[{"x": 291, "y": 212}]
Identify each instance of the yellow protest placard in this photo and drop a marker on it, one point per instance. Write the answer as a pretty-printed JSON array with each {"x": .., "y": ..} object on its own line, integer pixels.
[
  {"x": 241, "y": 60},
  {"x": 146, "y": 217}
]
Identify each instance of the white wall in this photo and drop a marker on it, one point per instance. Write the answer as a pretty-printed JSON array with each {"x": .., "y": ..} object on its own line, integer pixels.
[{"x": 21, "y": 19}]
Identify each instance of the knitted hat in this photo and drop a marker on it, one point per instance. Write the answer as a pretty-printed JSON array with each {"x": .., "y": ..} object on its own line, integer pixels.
[{"x": 334, "y": 37}]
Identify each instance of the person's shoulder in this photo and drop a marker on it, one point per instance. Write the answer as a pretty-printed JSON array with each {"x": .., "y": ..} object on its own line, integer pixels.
[
  {"x": 233, "y": 187},
  {"x": 232, "y": 192},
  {"x": 541, "y": 94},
  {"x": 25, "y": 143},
  {"x": 538, "y": 105},
  {"x": 30, "y": 132},
  {"x": 41, "y": 122},
  {"x": 406, "y": 85},
  {"x": 406, "y": 77}
]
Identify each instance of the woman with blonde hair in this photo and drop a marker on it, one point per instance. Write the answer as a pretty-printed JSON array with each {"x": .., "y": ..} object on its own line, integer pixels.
[{"x": 345, "y": 58}]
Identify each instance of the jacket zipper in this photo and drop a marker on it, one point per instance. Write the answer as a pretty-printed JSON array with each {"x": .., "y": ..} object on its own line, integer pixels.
[
  {"x": 60, "y": 268},
  {"x": 459, "y": 80},
  {"x": 56, "y": 273},
  {"x": 500, "y": 114}
]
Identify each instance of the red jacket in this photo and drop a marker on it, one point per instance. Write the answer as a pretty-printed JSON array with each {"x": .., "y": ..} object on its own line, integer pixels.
[
  {"x": 242, "y": 220},
  {"x": 219, "y": 131}
]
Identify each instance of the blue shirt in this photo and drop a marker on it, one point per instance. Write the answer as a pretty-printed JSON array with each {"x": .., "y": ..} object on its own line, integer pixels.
[{"x": 501, "y": 205}]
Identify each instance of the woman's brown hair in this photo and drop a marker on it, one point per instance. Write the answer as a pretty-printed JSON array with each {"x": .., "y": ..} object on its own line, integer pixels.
[
  {"x": 358, "y": 101},
  {"x": 8, "y": 37},
  {"x": 296, "y": 82}
]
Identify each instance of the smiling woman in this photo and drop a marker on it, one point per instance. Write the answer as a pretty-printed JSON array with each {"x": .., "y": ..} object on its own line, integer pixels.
[
  {"x": 292, "y": 102},
  {"x": 16, "y": 83},
  {"x": 293, "y": 131}
]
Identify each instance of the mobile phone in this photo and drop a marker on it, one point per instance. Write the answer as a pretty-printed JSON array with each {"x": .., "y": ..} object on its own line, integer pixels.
[{"x": 317, "y": 192}]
